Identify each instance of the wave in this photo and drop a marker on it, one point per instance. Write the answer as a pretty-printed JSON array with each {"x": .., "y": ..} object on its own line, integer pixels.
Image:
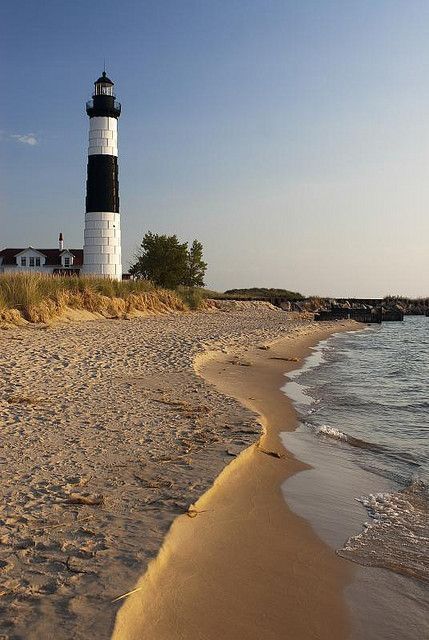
[
  {"x": 403, "y": 457},
  {"x": 323, "y": 393},
  {"x": 336, "y": 434},
  {"x": 397, "y": 535},
  {"x": 332, "y": 432}
]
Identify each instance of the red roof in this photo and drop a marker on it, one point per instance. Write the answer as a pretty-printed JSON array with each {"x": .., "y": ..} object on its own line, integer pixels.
[{"x": 53, "y": 256}]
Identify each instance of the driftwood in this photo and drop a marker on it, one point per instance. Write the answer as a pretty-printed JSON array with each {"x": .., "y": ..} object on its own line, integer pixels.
[
  {"x": 193, "y": 513},
  {"x": 89, "y": 499},
  {"x": 125, "y": 595},
  {"x": 273, "y": 454}
]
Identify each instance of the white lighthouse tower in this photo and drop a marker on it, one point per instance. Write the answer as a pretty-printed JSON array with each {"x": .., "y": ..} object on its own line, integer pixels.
[{"x": 102, "y": 236}]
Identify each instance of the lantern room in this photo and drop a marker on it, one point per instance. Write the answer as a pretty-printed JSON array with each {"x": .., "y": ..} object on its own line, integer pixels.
[
  {"x": 103, "y": 86},
  {"x": 103, "y": 101}
]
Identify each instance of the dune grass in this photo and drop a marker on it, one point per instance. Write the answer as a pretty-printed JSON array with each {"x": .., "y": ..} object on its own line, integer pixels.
[{"x": 36, "y": 297}]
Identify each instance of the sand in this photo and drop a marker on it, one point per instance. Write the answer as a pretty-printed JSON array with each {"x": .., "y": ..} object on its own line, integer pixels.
[
  {"x": 245, "y": 566},
  {"x": 108, "y": 434}
]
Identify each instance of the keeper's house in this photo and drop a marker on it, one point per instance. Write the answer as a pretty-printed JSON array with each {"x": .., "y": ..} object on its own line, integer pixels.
[{"x": 52, "y": 261}]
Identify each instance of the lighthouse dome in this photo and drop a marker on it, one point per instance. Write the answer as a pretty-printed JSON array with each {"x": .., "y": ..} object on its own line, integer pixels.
[{"x": 103, "y": 79}]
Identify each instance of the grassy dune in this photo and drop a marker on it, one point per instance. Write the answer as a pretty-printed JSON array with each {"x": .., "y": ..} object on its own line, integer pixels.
[{"x": 41, "y": 298}]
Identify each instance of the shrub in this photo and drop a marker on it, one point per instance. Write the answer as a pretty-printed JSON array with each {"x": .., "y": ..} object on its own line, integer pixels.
[{"x": 191, "y": 296}]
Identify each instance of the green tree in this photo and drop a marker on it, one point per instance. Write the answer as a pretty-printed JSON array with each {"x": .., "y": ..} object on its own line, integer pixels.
[
  {"x": 163, "y": 259},
  {"x": 196, "y": 267}
]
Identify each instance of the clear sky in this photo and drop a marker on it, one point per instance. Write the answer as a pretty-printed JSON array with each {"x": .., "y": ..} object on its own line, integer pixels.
[{"x": 290, "y": 136}]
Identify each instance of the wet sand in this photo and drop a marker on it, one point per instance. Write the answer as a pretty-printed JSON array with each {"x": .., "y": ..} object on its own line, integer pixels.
[{"x": 245, "y": 566}]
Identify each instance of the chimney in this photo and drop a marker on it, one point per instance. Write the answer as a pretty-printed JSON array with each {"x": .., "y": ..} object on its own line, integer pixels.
[{"x": 61, "y": 242}]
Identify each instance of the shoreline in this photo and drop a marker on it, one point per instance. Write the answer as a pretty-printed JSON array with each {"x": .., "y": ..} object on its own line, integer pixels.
[
  {"x": 108, "y": 434},
  {"x": 387, "y": 599},
  {"x": 244, "y": 539}
]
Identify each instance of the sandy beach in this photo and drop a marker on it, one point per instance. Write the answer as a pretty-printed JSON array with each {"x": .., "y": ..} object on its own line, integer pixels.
[{"x": 109, "y": 433}]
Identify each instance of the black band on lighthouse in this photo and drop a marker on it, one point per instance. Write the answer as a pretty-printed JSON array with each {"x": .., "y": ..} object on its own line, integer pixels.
[
  {"x": 103, "y": 106},
  {"x": 102, "y": 185}
]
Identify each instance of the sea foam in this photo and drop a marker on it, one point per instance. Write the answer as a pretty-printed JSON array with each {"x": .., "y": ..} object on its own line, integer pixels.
[
  {"x": 397, "y": 535},
  {"x": 332, "y": 432}
]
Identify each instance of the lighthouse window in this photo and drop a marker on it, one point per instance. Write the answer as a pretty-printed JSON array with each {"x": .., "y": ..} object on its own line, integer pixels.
[
  {"x": 31, "y": 262},
  {"x": 104, "y": 90}
]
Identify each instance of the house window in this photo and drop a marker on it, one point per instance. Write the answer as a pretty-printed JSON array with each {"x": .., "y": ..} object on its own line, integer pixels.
[
  {"x": 31, "y": 262},
  {"x": 23, "y": 262},
  {"x": 37, "y": 262},
  {"x": 66, "y": 262}
]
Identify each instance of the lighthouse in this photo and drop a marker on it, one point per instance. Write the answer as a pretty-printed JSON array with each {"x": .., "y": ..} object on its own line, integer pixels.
[{"x": 102, "y": 235}]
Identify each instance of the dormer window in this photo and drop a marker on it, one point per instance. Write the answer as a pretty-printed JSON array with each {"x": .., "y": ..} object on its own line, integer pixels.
[
  {"x": 23, "y": 262},
  {"x": 31, "y": 262},
  {"x": 67, "y": 259}
]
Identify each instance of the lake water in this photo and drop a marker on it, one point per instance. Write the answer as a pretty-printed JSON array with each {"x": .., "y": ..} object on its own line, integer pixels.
[{"x": 363, "y": 399}]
